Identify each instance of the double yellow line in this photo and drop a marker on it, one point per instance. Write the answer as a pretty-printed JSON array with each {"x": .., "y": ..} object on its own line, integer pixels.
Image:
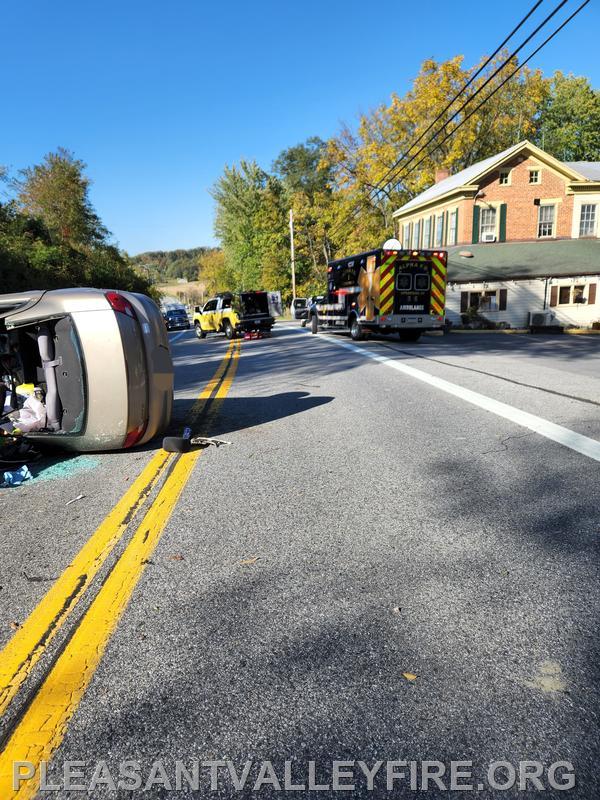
[{"x": 42, "y": 726}]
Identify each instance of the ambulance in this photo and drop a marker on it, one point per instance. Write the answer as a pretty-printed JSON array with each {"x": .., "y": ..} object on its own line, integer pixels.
[{"x": 384, "y": 291}]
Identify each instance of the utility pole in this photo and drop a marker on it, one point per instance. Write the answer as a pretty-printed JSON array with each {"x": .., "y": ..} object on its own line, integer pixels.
[{"x": 292, "y": 254}]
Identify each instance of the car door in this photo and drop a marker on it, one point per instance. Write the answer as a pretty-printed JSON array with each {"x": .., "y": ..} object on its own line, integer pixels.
[
  {"x": 208, "y": 314},
  {"x": 218, "y": 315}
]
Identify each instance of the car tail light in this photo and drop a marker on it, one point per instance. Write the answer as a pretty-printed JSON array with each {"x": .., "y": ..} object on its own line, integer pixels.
[
  {"x": 134, "y": 436},
  {"x": 120, "y": 304}
]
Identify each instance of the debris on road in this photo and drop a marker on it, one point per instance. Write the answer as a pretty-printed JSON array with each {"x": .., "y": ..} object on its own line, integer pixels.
[
  {"x": 183, "y": 444},
  {"x": 247, "y": 562},
  {"x": 206, "y": 441},
  {"x": 75, "y": 499},
  {"x": 16, "y": 477},
  {"x": 410, "y": 676},
  {"x": 15, "y": 626},
  {"x": 177, "y": 557}
]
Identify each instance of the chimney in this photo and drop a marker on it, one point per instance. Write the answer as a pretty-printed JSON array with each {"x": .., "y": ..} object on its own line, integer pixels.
[{"x": 441, "y": 174}]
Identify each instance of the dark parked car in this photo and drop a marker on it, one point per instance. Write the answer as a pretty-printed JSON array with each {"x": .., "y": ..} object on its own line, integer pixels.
[{"x": 176, "y": 318}]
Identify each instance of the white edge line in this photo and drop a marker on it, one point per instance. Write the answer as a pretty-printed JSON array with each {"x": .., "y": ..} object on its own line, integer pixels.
[
  {"x": 179, "y": 335},
  {"x": 557, "y": 433}
]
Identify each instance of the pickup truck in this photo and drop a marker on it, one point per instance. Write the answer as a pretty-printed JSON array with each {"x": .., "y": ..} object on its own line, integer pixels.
[{"x": 234, "y": 314}]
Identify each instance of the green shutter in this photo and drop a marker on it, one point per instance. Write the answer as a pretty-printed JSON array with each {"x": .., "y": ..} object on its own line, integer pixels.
[
  {"x": 445, "y": 236},
  {"x": 475, "y": 234},
  {"x": 456, "y": 234},
  {"x": 502, "y": 229},
  {"x": 432, "y": 232}
]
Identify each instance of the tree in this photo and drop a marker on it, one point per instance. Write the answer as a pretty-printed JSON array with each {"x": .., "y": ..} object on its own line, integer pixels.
[
  {"x": 51, "y": 237},
  {"x": 569, "y": 124},
  {"x": 239, "y": 194},
  {"x": 213, "y": 272},
  {"x": 57, "y": 192},
  {"x": 377, "y": 167},
  {"x": 302, "y": 168}
]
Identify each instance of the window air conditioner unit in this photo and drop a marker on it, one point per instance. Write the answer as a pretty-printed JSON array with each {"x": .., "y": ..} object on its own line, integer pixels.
[
  {"x": 537, "y": 319},
  {"x": 488, "y": 237}
]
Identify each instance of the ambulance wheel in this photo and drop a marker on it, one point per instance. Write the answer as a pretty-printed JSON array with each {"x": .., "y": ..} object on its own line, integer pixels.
[
  {"x": 356, "y": 330},
  {"x": 314, "y": 324},
  {"x": 229, "y": 331},
  {"x": 410, "y": 336},
  {"x": 199, "y": 332}
]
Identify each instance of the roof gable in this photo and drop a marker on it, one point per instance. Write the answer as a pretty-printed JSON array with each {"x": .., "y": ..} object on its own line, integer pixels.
[{"x": 476, "y": 172}]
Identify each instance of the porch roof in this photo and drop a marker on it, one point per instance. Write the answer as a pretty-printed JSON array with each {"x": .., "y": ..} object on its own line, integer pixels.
[{"x": 524, "y": 260}]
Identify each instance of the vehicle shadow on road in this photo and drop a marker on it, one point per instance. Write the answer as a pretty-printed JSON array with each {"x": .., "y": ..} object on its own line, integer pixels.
[{"x": 241, "y": 413}]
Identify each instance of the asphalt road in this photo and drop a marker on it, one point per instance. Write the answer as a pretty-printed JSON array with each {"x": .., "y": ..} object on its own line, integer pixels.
[{"x": 375, "y": 569}]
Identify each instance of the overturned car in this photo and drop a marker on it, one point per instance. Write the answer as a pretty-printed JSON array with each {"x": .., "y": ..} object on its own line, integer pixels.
[{"x": 84, "y": 369}]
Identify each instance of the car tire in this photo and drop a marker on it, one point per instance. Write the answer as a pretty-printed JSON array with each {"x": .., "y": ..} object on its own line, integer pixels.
[
  {"x": 229, "y": 331},
  {"x": 199, "y": 332},
  {"x": 176, "y": 444},
  {"x": 409, "y": 336},
  {"x": 356, "y": 330},
  {"x": 314, "y": 324}
]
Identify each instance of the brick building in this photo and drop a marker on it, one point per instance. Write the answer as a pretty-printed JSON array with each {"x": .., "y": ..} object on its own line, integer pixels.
[{"x": 516, "y": 218}]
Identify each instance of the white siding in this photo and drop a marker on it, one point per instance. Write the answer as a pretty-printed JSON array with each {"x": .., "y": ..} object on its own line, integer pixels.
[{"x": 525, "y": 296}]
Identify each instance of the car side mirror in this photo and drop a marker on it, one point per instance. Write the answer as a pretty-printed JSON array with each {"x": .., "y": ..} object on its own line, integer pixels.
[{"x": 197, "y": 310}]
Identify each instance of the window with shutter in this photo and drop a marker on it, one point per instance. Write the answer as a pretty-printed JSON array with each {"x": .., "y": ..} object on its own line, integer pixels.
[
  {"x": 502, "y": 228},
  {"x": 475, "y": 233},
  {"x": 502, "y": 299},
  {"x": 464, "y": 302}
]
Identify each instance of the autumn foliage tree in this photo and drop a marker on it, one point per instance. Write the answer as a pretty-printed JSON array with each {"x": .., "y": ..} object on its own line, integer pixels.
[{"x": 343, "y": 192}]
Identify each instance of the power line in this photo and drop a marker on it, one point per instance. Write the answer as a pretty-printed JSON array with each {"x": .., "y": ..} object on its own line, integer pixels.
[
  {"x": 483, "y": 85},
  {"x": 390, "y": 171},
  {"x": 394, "y": 174},
  {"x": 500, "y": 85}
]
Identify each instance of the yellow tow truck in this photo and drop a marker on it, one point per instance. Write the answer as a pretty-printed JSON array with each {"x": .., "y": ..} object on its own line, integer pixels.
[{"x": 234, "y": 315}]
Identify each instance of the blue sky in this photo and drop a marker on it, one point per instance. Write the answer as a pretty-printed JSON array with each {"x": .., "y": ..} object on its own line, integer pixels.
[{"x": 156, "y": 97}]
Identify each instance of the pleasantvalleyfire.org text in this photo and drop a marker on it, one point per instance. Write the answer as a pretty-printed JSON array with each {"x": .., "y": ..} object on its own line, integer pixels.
[{"x": 295, "y": 775}]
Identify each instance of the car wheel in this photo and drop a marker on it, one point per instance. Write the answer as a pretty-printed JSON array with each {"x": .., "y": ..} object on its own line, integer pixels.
[
  {"x": 229, "y": 331},
  {"x": 314, "y": 324},
  {"x": 199, "y": 332},
  {"x": 409, "y": 336},
  {"x": 176, "y": 444},
  {"x": 356, "y": 330}
]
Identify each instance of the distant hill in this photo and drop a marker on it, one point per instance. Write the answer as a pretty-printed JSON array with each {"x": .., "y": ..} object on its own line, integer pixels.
[{"x": 164, "y": 266}]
